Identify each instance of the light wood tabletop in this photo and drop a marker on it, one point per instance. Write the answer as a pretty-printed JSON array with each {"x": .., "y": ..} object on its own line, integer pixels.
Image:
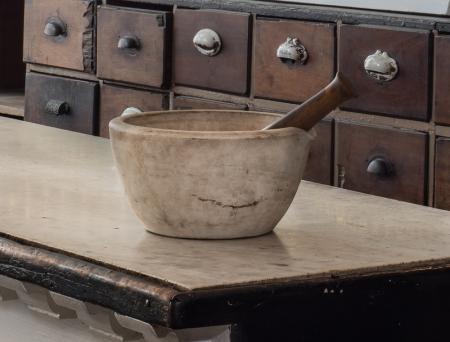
[{"x": 60, "y": 192}]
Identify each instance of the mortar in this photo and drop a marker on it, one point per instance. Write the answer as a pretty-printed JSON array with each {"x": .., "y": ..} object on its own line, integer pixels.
[{"x": 209, "y": 174}]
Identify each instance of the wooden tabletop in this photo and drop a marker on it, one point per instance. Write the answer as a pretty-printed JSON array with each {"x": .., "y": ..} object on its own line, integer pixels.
[{"x": 61, "y": 199}]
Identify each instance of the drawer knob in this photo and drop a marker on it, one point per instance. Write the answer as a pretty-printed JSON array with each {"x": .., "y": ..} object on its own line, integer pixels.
[
  {"x": 380, "y": 167},
  {"x": 55, "y": 27},
  {"x": 129, "y": 43},
  {"x": 207, "y": 42},
  {"x": 381, "y": 67},
  {"x": 57, "y": 107},
  {"x": 292, "y": 51}
]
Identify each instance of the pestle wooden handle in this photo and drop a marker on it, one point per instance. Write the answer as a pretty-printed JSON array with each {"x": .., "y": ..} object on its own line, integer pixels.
[{"x": 309, "y": 113}]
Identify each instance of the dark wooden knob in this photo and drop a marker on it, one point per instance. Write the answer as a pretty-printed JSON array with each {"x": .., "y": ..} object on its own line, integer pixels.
[
  {"x": 55, "y": 27},
  {"x": 57, "y": 107},
  {"x": 128, "y": 43},
  {"x": 379, "y": 167}
]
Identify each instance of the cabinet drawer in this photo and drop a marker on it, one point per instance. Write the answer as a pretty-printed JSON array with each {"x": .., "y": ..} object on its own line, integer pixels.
[
  {"x": 442, "y": 80},
  {"x": 114, "y": 100},
  {"x": 60, "y": 33},
  {"x": 293, "y": 60},
  {"x": 319, "y": 166},
  {"x": 61, "y": 102},
  {"x": 211, "y": 49},
  {"x": 131, "y": 46},
  {"x": 442, "y": 174},
  {"x": 388, "y": 69},
  {"x": 187, "y": 102},
  {"x": 382, "y": 161}
]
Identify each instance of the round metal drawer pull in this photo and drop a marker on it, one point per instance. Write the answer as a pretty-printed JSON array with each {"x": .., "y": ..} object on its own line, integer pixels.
[
  {"x": 379, "y": 167},
  {"x": 292, "y": 51},
  {"x": 55, "y": 27},
  {"x": 207, "y": 42},
  {"x": 128, "y": 43},
  {"x": 381, "y": 67},
  {"x": 57, "y": 107}
]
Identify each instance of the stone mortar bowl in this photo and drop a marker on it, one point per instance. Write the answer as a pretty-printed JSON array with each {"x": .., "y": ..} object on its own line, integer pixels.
[{"x": 208, "y": 174}]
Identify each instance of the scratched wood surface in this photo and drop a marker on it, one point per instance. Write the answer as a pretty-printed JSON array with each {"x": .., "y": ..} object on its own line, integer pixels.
[{"x": 60, "y": 190}]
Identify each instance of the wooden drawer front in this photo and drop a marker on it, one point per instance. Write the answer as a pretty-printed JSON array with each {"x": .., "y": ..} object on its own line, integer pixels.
[
  {"x": 442, "y": 174},
  {"x": 406, "y": 95},
  {"x": 288, "y": 78},
  {"x": 12, "y": 69},
  {"x": 114, "y": 100},
  {"x": 442, "y": 80},
  {"x": 60, "y": 33},
  {"x": 187, "y": 102},
  {"x": 228, "y": 69},
  {"x": 320, "y": 164},
  {"x": 131, "y": 46},
  {"x": 61, "y": 102},
  {"x": 384, "y": 162}
]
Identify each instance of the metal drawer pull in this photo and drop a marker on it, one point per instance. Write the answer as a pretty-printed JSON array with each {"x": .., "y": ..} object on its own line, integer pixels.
[
  {"x": 55, "y": 27},
  {"x": 380, "y": 167},
  {"x": 207, "y": 42},
  {"x": 129, "y": 43},
  {"x": 57, "y": 107},
  {"x": 292, "y": 51},
  {"x": 381, "y": 67}
]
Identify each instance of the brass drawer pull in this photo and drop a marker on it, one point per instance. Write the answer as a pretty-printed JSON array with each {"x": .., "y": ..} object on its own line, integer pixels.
[
  {"x": 380, "y": 167},
  {"x": 57, "y": 107},
  {"x": 55, "y": 27},
  {"x": 381, "y": 67},
  {"x": 292, "y": 52},
  {"x": 207, "y": 42},
  {"x": 129, "y": 43}
]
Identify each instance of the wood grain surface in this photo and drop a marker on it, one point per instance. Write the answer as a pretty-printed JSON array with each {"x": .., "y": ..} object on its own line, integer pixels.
[
  {"x": 442, "y": 80},
  {"x": 81, "y": 96},
  {"x": 147, "y": 65},
  {"x": 62, "y": 192},
  {"x": 405, "y": 151},
  {"x": 276, "y": 80},
  {"x": 406, "y": 95},
  {"x": 74, "y": 50},
  {"x": 115, "y": 99},
  {"x": 228, "y": 70},
  {"x": 442, "y": 174}
]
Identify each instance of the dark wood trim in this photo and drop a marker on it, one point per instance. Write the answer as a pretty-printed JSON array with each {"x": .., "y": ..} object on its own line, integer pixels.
[
  {"x": 309, "y": 12},
  {"x": 127, "y": 294},
  {"x": 154, "y": 301}
]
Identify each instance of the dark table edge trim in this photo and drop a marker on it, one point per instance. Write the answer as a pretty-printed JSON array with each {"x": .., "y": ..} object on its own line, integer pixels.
[
  {"x": 162, "y": 303},
  {"x": 311, "y": 12},
  {"x": 127, "y": 294}
]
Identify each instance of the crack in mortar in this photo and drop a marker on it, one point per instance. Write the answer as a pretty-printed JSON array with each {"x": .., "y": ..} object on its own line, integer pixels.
[{"x": 220, "y": 204}]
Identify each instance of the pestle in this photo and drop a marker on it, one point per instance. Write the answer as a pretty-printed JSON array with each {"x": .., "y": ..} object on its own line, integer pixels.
[{"x": 310, "y": 112}]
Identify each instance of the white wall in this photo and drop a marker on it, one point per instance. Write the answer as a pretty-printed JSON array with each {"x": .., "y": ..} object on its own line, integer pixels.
[{"x": 440, "y": 7}]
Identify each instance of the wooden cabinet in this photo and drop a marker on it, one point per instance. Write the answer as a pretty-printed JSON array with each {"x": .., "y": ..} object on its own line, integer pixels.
[
  {"x": 211, "y": 49},
  {"x": 60, "y": 33},
  {"x": 442, "y": 174},
  {"x": 320, "y": 160},
  {"x": 115, "y": 99},
  {"x": 187, "y": 102},
  {"x": 132, "y": 46},
  {"x": 382, "y": 161},
  {"x": 61, "y": 102},
  {"x": 442, "y": 79},
  {"x": 293, "y": 60},
  {"x": 388, "y": 68}
]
